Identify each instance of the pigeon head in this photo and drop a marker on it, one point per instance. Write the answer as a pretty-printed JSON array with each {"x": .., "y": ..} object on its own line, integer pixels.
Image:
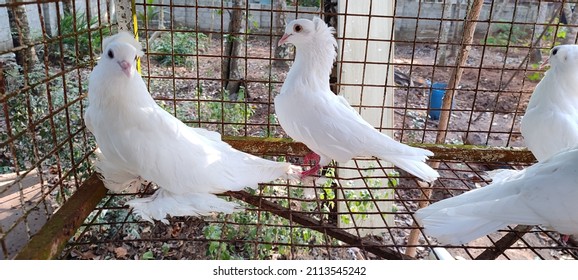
[
  {"x": 120, "y": 59},
  {"x": 303, "y": 32},
  {"x": 120, "y": 54},
  {"x": 565, "y": 56}
]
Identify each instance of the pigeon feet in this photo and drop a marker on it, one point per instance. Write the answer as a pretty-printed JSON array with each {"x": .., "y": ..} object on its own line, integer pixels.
[
  {"x": 564, "y": 238},
  {"x": 311, "y": 158}
]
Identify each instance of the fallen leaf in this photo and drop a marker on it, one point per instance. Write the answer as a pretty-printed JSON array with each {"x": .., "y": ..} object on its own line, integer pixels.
[
  {"x": 89, "y": 255},
  {"x": 120, "y": 252},
  {"x": 176, "y": 230},
  {"x": 148, "y": 255}
]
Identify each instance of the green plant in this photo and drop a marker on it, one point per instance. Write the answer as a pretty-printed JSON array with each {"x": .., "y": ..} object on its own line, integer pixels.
[
  {"x": 148, "y": 255},
  {"x": 176, "y": 47},
  {"x": 305, "y": 3},
  {"x": 274, "y": 236},
  {"x": 243, "y": 233},
  {"x": 362, "y": 200},
  {"x": 271, "y": 130},
  {"x": 77, "y": 29},
  {"x": 24, "y": 108},
  {"x": 557, "y": 32},
  {"x": 152, "y": 13},
  {"x": 45, "y": 127},
  {"x": 235, "y": 236},
  {"x": 535, "y": 75},
  {"x": 234, "y": 112},
  {"x": 505, "y": 34}
]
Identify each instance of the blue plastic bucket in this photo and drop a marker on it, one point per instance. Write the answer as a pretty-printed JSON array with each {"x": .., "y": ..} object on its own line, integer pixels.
[{"x": 436, "y": 98}]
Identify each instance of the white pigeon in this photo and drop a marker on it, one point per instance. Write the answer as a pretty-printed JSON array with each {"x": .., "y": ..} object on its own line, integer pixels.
[
  {"x": 542, "y": 194},
  {"x": 310, "y": 113},
  {"x": 550, "y": 123},
  {"x": 140, "y": 140}
]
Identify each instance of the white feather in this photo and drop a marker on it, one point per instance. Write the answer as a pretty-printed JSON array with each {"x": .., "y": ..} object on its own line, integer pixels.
[
  {"x": 138, "y": 139},
  {"x": 123, "y": 37},
  {"x": 163, "y": 203},
  {"x": 117, "y": 180},
  {"x": 543, "y": 194},
  {"x": 550, "y": 123},
  {"x": 499, "y": 175},
  {"x": 310, "y": 113}
]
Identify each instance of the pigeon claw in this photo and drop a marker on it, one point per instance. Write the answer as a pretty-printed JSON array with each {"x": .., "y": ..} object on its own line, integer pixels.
[
  {"x": 311, "y": 171},
  {"x": 309, "y": 159},
  {"x": 564, "y": 238}
]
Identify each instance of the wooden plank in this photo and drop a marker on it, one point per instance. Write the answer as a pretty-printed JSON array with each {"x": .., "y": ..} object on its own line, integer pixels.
[
  {"x": 51, "y": 239},
  {"x": 504, "y": 243},
  {"x": 471, "y": 153},
  {"x": 468, "y": 153}
]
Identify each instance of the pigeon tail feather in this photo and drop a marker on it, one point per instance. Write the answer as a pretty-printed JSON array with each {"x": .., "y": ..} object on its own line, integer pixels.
[
  {"x": 455, "y": 230},
  {"x": 259, "y": 171},
  {"x": 416, "y": 167},
  {"x": 409, "y": 159},
  {"x": 502, "y": 175},
  {"x": 163, "y": 203}
]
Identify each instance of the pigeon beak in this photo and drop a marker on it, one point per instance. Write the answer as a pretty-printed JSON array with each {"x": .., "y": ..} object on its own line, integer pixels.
[
  {"x": 283, "y": 39},
  {"x": 126, "y": 68}
]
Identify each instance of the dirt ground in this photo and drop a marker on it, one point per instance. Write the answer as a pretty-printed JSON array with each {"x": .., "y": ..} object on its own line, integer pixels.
[{"x": 488, "y": 103}]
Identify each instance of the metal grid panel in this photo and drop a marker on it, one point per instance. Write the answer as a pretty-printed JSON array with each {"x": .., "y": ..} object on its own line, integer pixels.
[
  {"x": 186, "y": 51},
  {"x": 296, "y": 221},
  {"x": 45, "y": 59},
  {"x": 192, "y": 86}
]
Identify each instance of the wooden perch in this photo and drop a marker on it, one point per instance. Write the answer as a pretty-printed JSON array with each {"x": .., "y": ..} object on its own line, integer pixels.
[{"x": 51, "y": 239}]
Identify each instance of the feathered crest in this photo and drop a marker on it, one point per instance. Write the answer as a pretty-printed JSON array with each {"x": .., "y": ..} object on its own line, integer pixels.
[
  {"x": 324, "y": 31},
  {"x": 124, "y": 37}
]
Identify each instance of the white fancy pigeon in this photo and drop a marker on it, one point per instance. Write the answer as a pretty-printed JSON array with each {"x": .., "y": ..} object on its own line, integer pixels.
[
  {"x": 542, "y": 194},
  {"x": 138, "y": 139},
  {"x": 310, "y": 113},
  {"x": 550, "y": 123}
]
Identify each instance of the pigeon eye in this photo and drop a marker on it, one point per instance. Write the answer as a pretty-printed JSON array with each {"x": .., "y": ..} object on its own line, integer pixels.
[
  {"x": 554, "y": 51},
  {"x": 297, "y": 28},
  {"x": 110, "y": 54}
]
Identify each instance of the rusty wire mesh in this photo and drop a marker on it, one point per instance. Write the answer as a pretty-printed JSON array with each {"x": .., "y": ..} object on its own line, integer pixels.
[
  {"x": 46, "y": 56},
  {"x": 288, "y": 221},
  {"x": 363, "y": 210}
]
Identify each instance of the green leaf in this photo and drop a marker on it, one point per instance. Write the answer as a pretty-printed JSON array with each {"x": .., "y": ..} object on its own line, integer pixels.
[
  {"x": 148, "y": 255},
  {"x": 165, "y": 248}
]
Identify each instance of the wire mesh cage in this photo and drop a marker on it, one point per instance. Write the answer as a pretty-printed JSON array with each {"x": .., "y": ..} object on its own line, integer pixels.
[{"x": 452, "y": 76}]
